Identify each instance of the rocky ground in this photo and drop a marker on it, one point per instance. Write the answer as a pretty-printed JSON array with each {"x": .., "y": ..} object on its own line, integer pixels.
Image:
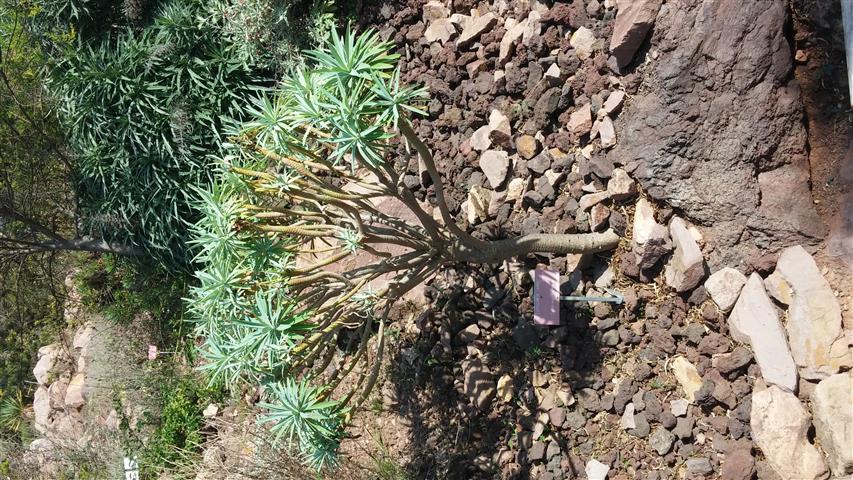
[{"x": 680, "y": 126}]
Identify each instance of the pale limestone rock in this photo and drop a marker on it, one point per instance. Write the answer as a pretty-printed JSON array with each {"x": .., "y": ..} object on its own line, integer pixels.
[
  {"x": 580, "y": 121},
  {"x": 553, "y": 177},
  {"x": 814, "y": 316},
  {"x": 514, "y": 190},
  {"x": 441, "y": 30},
  {"x": 678, "y": 407},
  {"x": 724, "y": 287},
  {"x": 607, "y": 132},
  {"x": 582, "y": 41},
  {"x": 627, "y": 421},
  {"x": 74, "y": 394},
  {"x": 474, "y": 27},
  {"x": 621, "y": 186},
  {"x": 532, "y": 27},
  {"x": 587, "y": 201},
  {"x": 590, "y": 188},
  {"x": 495, "y": 165},
  {"x": 613, "y": 103},
  {"x": 780, "y": 426},
  {"x": 459, "y": 19},
  {"x": 514, "y": 32},
  {"x": 56, "y": 393},
  {"x": 41, "y": 409},
  {"x": 644, "y": 220},
  {"x": 499, "y": 129},
  {"x": 83, "y": 337},
  {"x": 687, "y": 375},
  {"x": 687, "y": 267},
  {"x": 832, "y": 407},
  {"x": 753, "y": 321},
  {"x": 506, "y": 388},
  {"x": 480, "y": 138},
  {"x": 596, "y": 470},
  {"x": 593, "y": 133},
  {"x": 478, "y": 204},
  {"x": 778, "y": 288},
  {"x": 553, "y": 72},
  {"x": 48, "y": 356},
  {"x": 210, "y": 411},
  {"x": 434, "y": 10}
]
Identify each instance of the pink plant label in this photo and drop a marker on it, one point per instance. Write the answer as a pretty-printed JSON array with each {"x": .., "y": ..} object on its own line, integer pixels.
[
  {"x": 546, "y": 297},
  {"x": 152, "y": 352}
]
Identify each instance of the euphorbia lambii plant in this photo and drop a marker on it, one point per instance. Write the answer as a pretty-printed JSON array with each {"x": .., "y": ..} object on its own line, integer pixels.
[{"x": 277, "y": 302}]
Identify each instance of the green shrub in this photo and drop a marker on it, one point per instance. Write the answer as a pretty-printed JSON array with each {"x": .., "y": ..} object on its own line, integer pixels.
[
  {"x": 271, "y": 33},
  {"x": 144, "y": 112},
  {"x": 56, "y": 23},
  {"x": 172, "y": 427},
  {"x": 180, "y": 425},
  {"x": 258, "y": 325},
  {"x": 121, "y": 289}
]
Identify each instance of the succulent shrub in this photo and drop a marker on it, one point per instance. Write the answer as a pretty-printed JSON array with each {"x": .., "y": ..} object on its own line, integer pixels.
[{"x": 277, "y": 301}]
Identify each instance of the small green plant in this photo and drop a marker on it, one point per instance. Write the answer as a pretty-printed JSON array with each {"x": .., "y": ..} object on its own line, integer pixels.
[
  {"x": 121, "y": 289},
  {"x": 534, "y": 353},
  {"x": 376, "y": 406},
  {"x": 12, "y": 419},
  {"x": 659, "y": 384},
  {"x": 299, "y": 415},
  {"x": 384, "y": 465},
  {"x": 174, "y": 423}
]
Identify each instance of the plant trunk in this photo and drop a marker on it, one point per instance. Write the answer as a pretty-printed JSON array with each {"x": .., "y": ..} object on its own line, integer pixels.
[{"x": 497, "y": 251}]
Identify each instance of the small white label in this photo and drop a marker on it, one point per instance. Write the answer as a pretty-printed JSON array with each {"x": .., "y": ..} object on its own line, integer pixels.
[{"x": 131, "y": 469}]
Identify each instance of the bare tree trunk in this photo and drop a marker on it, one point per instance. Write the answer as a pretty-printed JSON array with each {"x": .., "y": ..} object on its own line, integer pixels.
[
  {"x": 10, "y": 247},
  {"x": 96, "y": 245}
]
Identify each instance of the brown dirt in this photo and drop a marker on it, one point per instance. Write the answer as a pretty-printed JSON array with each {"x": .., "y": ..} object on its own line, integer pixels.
[{"x": 818, "y": 33}]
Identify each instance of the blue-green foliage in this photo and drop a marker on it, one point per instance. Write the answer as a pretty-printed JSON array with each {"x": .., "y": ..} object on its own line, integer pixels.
[
  {"x": 247, "y": 303},
  {"x": 298, "y": 415},
  {"x": 250, "y": 325}
]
